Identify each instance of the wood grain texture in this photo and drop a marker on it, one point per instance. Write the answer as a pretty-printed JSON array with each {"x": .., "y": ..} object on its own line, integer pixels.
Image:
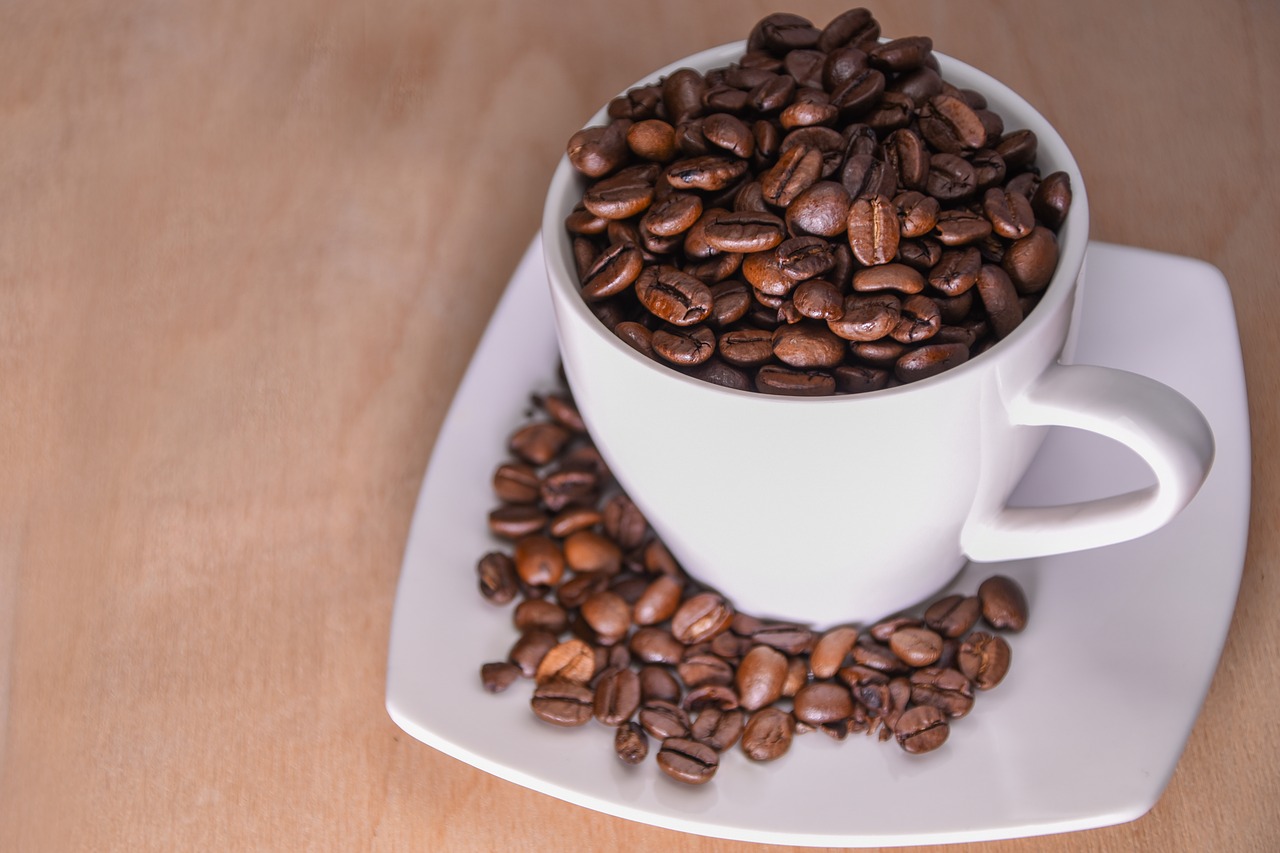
[{"x": 246, "y": 250}]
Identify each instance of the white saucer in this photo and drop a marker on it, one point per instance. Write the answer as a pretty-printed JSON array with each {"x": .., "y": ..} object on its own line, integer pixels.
[{"x": 1107, "y": 679}]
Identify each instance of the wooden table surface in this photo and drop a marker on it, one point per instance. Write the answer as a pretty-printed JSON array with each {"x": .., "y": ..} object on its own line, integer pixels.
[{"x": 246, "y": 250}]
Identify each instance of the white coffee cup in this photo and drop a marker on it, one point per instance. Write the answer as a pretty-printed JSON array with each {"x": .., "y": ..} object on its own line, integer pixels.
[{"x": 846, "y": 509}]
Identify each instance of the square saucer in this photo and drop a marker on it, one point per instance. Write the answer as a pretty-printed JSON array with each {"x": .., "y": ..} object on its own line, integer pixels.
[{"x": 1108, "y": 677}]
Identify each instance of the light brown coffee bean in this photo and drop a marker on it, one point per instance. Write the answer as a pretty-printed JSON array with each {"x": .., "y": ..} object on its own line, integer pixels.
[
  {"x": 921, "y": 729},
  {"x": 562, "y": 703},
  {"x": 768, "y": 734},
  {"x": 984, "y": 659}
]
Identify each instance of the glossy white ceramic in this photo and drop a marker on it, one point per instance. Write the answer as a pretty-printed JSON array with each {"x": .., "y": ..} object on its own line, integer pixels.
[
  {"x": 1107, "y": 679},
  {"x": 854, "y": 507}
]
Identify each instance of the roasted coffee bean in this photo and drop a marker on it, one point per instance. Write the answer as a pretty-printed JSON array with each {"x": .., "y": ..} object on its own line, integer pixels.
[
  {"x": 782, "y": 32},
  {"x": 623, "y": 522},
  {"x": 597, "y": 151},
  {"x": 760, "y": 677},
  {"x": 651, "y": 644},
  {"x": 1000, "y": 299},
  {"x": 1004, "y": 605},
  {"x": 717, "y": 728},
  {"x": 562, "y": 703},
  {"x": 929, "y": 360},
  {"x": 682, "y": 92},
  {"x": 516, "y": 483},
  {"x": 880, "y": 353},
  {"x": 608, "y": 615},
  {"x": 636, "y": 336},
  {"x": 984, "y": 659},
  {"x": 1010, "y": 213},
  {"x": 786, "y": 637},
  {"x": 960, "y": 227},
  {"x": 1018, "y": 149},
  {"x": 951, "y": 178},
  {"x": 803, "y": 258},
  {"x": 730, "y": 133},
  {"x": 540, "y": 613},
  {"x": 797, "y": 169},
  {"x": 701, "y": 617},
  {"x": 875, "y": 656},
  {"x": 572, "y": 660},
  {"x": 1052, "y": 200},
  {"x": 498, "y": 676},
  {"x": 868, "y": 317},
  {"x": 588, "y": 551},
  {"x": 919, "y": 320},
  {"x": 630, "y": 743},
  {"x": 821, "y": 210},
  {"x": 688, "y": 761},
  {"x": 873, "y": 230},
  {"x": 673, "y": 296},
  {"x": 673, "y": 215},
  {"x": 658, "y": 684},
  {"x": 951, "y": 126},
  {"x": 867, "y": 176},
  {"x": 746, "y": 347},
  {"x": 945, "y": 689},
  {"x": 659, "y": 601},
  {"x": 800, "y": 383},
  {"x": 830, "y": 651},
  {"x": 745, "y": 232},
  {"x": 617, "y": 696},
  {"x": 706, "y": 172},
  {"x": 658, "y": 560},
  {"x": 916, "y": 646},
  {"x": 919, "y": 85},
  {"x": 576, "y": 590},
  {"x": 898, "y": 277},
  {"x": 529, "y": 649},
  {"x": 894, "y": 112},
  {"x": 686, "y": 347},
  {"x": 1030, "y": 262},
  {"x": 622, "y": 195},
  {"x": 652, "y": 139},
  {"x": 823, "y": 702},
  {"x": 568, "y": 485},
  {"x": 818, "y": 299},
  {"x": 917, "y": 213},
  {"x": 921, "y": 255},
  {"x": 662, "y": 720},
  {"x": 539, "y": 443},
  {"x": 859, "y": 93},
  {"x": 957, "y": 272},
  {"x": 921, "y": 729},
  {"x": 855, "y": 27},
  {"x": 953, "y": 615},
  {"x": 768, "y": 734},
  {"x": 901, "y": 54},
  {"x": 859, "y": 378},
  {"x": 496, "y": 573},
  {"x": 807, "y": 346},
  {"x": 703, "y": 668}
]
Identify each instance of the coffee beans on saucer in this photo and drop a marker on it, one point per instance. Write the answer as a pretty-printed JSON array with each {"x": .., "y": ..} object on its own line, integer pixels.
[
  {"x": 827, "y": 215},
  {"x": 609, "y": 630}
]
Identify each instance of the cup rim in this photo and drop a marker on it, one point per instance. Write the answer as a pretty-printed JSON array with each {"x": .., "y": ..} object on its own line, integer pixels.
[{"x": 1072, "y": 238}]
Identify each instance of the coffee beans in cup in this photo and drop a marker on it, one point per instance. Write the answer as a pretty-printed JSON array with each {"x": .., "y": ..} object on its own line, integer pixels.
[
  {"x": 827, "y": 215},
  {"x": 610, "y": 631}
]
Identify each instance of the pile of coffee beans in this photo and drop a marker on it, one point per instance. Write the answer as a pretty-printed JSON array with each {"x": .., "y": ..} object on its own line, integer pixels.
[
  {"x": 610, "y": 628},
  {"x": 826, "y": 215}
]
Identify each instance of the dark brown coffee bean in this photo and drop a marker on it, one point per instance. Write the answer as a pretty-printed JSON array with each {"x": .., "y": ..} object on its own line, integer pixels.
[
  {"x": 873, "y": 230},
  {"x": 1000, "y": 300},
  {"x": 859, "y": 378},
  {"x": 617, "y": 696},
  {"x": 496, "y": 573},
  {"x": 760, "y": 677},
  {"x": 622, "y": 195},
  {"x": 636, "y": 336},
  {"x": 701, "y": 617},
  {"x": 688, "y": 761},
  {"x": 859, "y": 93},
  {"x": 768, "y": 734},
  {"x": 951, "y": 178},
  {"x": 659, "y": 601},
  {"x": 897, "y": 277},
  {"x": 954, "y": 615},
  {"x": 921, "y": 729},
  {"x": 765, "y": 274},
  {"x": 662, "y": 720},
  {"x": 746, "y": 347},
  {"x": 771, "y": 379},
  {"x": 562, "y": 703},
  {"x": 919, "y": 320},
  {"x": 951, "y": 126},
  {"x": 530, "y": 648},
  {"x": 823, "y": 702},
  {"x": 945, "y": 689},
  {"x": 867, "y": 317},
  {"x": 568, "y": 485},
  {"x": 673, "y": 296},
  {"x": 809, "y": 108},
  {"x": 572, "y": 660},
  {"x": 597, "y": 151},
  {"x": 631, "y": 744},
  {"x": 824, "y": 139},
  {"x": 1031, "y": 261},
  {"x": 984, "y": 659},
  {"x": 539, "y": 560},
  {"x": 684, "y": 346},
  {"x": 818, "y": 299},
  {"x": 673, "y": 215},
  {"x": 730, "y": 302},
  {"x": 608, "y": 615},
  {"x": 517, "y": 483},
  {"x": 960, "y": 227},
  {"x": 1018, "y": 149},
  {"x": 576, "y": 590},
  {"x": 717, "y": 728},
  {"x": 745, "y": 231},
  {"x": 782, "y": 32},
  {"x": 539, "y": 443},
  {"x": 957, "y": 272},
  {"x": 917, "y": 213},
  {"x": 657, "y": 683},
  {"x": 498, "y": 676},
  {"x": 706, "y": 172},
  {"x": 540, "y": 613},
  {"x": 1010, "y": 213},
  {"x": 830, "y": 651},
  {"x": 651, "y": 644},
  {"x": 901, "y": 54},
  {"x": 919, "y": 85},
  {"x": 867, "y": 176},
  {"x": 929, "y": 360},
  {"x": 730, "y": 133},
  {"x": 916, "y": 646},
  {"x": 1004, "y": 605},
  {"x": 1052, "y": 200},
  {"x": 803, "y": 258},
  {"x": 682, "y": 92},
  {"x": 877, "y": 657},
  {"x": 796, "y": 170},
  {"x": 822, "y": 210},
  {"x": 807, "y": 346},
  {"x": 623, "y": 522},
  {"x": 853, "y": 27},
  {"x": 652, "y": 139}
]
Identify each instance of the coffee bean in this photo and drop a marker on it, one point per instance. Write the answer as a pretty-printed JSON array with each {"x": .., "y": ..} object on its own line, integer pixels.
[
  {"x": 803, "y": 258},
  {"x": 572, "y": 660},
  {"x": 597, "y": 151},
  {"x": 662, "y": 720},
  {"x": 672, "y": 215},
  {"x": 730, "y": 133},
  {"x": 1000, "y": 299},
  {"x": 608, "y": 615},
  {"x": 539, "y": 443},
  {"x": 800, "y": 383},
  {"x": 1030, "y": 262},
  {"x": 945, "y": 689},
  {"x": 854, "y": 27},
  {"x": 823, "y": 702},
  {"x": 919, "y": 320},
  {"x": 688, "y": 761},
  {"x": 807, "y": 346},
  {"x": 745, "y": 232},
  {"x": 540, "y": 613},
  {"x": 658, "y": 684},
  {"x": 984, "y": 659},
  {"x": 821, "y": 210},
  {"x": 717, "y": 728},
  {"x": 673, "y": 296},
  {"x": 617, "y": 696},
  {"x": 656, "y": 645},
  {"x": 636, "y": 336},
  {"x": 630, "y": 743},
  {"x": 951, "y": 126},
  {"x": 818, "y": 299},
  {"x": 497, "y": 578},
  {"x": 921, "y": 729},
  {"x": 1052, "y": 200},
  {"x": 782, "y": 32},
  {"x": 562, "y": 703},
  {"x": 701, "y": 617},
  {"x": 686, "y": 347},
  {"x": 1010, "y": 213},
  {"x": 953, "y": 615},
  {"x": 539, "y": 560},
  {"x": 760, "y": 677},
  {"x": 768, "y": 734},
  {"x": 929, "y": 360},
  {"x": 899, "y": 277},
  {"x": 1004, "y": 605},
  {"x": 498, "y": 676},
  {"x": 796, "y": 170},
  {"x": 957, "y": 271},
  {"x": 901, "y": 54}
]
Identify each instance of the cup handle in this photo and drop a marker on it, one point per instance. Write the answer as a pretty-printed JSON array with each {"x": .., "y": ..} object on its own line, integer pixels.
[{"x": 1156, "y": 422}]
